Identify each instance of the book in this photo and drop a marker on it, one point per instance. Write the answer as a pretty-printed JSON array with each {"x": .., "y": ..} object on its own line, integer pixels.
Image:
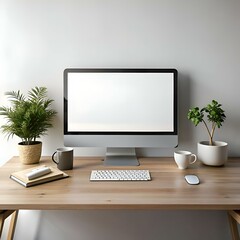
[{"x": 21, "y": 176}]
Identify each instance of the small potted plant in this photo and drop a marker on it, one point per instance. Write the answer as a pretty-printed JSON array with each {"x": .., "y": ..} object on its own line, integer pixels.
[
  {"x": 210, "y": 152},
  {"x": 28, "y": 118}
]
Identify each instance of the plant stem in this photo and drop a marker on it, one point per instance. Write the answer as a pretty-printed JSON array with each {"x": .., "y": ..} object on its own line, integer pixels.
[
  {"x": 209, "y": 133},
  {"x": 213, "y": 130}
]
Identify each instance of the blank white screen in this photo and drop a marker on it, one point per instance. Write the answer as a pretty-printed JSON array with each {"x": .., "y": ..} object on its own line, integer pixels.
[{"x": 120, "y": 102}]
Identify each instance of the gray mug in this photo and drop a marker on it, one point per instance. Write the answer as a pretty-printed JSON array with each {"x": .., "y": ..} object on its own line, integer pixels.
[{"x": 64, "y": 158}]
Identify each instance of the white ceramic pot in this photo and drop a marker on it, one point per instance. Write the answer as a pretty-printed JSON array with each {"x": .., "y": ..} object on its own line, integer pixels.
[{"x": 213, "y": 155}]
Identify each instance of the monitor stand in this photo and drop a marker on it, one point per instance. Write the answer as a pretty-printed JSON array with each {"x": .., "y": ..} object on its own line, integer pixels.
[{"x": 121, "y": 157}]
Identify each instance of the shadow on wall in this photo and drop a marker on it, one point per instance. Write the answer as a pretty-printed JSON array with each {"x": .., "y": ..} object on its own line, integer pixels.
[
  {"x": 186, "y": 137},
  {"x": 132, "y": 225}
]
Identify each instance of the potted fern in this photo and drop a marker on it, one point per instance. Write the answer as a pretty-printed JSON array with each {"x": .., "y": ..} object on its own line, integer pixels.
[
  {"x": 28, "y": 118},
  {"x": 210, "y": 152}
]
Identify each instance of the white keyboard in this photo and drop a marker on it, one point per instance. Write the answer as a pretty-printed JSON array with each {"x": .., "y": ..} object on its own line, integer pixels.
[{"x": 120, "y": 175}]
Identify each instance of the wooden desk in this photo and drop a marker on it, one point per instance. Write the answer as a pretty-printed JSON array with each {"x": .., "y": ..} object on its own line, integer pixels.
[{"x": 219, "y": 188}]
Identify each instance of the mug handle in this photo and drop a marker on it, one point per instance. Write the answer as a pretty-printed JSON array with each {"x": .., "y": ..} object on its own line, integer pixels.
[
  {"x": 53, "y": 157},
  {"x": 194, "y": 157}
]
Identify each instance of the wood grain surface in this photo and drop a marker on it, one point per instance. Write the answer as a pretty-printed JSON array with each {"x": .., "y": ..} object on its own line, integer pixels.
[{"x": 219, "y": 187}]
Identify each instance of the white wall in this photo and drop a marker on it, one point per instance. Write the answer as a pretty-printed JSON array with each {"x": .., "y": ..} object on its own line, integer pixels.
[{"x": 39, "y": 39}]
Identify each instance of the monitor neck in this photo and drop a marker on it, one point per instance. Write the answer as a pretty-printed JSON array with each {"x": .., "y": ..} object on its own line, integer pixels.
[{"x": 121, "y": 157}]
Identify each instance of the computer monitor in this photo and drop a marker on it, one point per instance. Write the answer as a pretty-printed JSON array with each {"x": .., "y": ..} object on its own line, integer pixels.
[{"x": 120, "y": 110}]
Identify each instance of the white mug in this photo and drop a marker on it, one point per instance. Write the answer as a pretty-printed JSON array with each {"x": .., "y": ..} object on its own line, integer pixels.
[{"x": 184, "y": 158}]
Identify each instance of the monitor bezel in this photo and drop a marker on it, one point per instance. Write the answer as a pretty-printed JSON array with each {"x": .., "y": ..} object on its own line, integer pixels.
[{"x": 121, "y": 70}]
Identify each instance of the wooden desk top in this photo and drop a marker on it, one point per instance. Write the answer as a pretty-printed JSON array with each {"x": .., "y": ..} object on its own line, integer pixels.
[{"x": 219, "y": 188}]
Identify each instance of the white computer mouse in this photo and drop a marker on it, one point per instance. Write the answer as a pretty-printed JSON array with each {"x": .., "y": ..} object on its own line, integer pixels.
[{"x": 192, "y": 179}]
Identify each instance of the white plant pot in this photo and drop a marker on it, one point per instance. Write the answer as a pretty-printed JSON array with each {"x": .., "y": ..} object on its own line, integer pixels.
[{"x": 213, "y": 155}]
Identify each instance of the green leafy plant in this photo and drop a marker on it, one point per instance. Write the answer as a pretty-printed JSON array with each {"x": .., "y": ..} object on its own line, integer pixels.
[
  {"x": 28, "y": 117},
  {"x": 215, "y": 116}
]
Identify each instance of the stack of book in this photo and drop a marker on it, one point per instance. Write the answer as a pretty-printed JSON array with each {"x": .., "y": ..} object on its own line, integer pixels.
[{"x": 22, "y": 176}]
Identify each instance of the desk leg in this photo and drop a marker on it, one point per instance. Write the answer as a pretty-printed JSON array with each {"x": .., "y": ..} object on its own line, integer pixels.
[
  {"x": 1, "y": 222},
  {"x": 3, "y": 215},
  {"x": 234, "y": 218},
  {"x": 12, "y": 226}
]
